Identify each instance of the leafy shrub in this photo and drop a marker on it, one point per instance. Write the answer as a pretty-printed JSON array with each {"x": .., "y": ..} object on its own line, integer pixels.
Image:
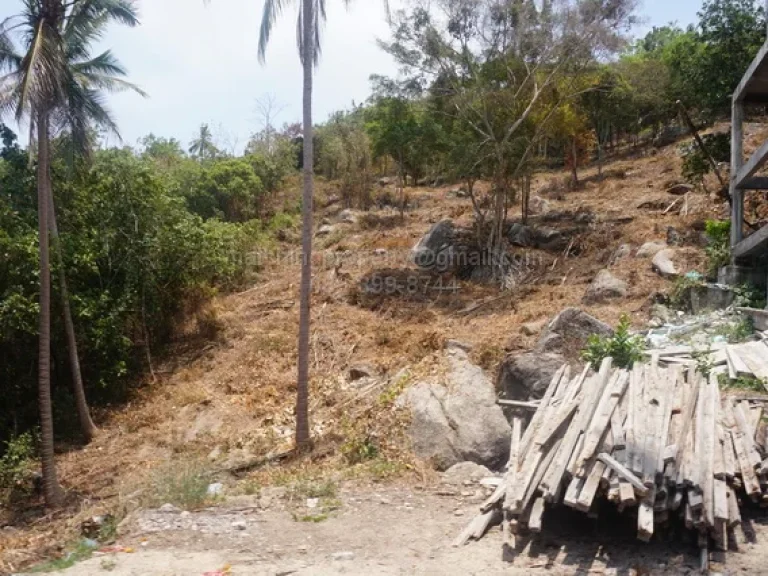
[
  {"x": 748, "y": 296},
  {"x": 696, "y": 164},
  {"x": 623, "y": 347},
  {"x": 16, "y": 463},
  {"x": 718, "y": 248}
]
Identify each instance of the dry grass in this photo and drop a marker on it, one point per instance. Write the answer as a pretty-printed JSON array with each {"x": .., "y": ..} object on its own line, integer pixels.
[{"x": 234, "y": 396}]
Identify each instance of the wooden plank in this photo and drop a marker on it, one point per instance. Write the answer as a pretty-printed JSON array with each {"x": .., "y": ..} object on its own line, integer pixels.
[
  {"x": 754, "y": 356},
  {"x": 519, "y": 404},
  {"x": 755, "y": 183},
  {"x": 721, "y": 510},
  {"x": 627, "y": 494},
  {"x": 734, "y": 514},
  {"x": 737, "y": 161},
  {"x": 645, "y": 517},
  {"x": 739, "y": 366},
  {"x": 537, "y": 512},
  {"x": 538, "y": 417},
  {"x": 754, "y": 415},
  {"x": 748, "y": 476},
  {"x": 670, "y": 389},
  {"x": 533, "y": 486},
  {"x": 617, "y": 429},
  {"x": 602, "y": 418},
  {"x": 753, "y": 455},
  {"x": 709, "y": 439},
  {"x": 623, "y": 472},
  {"x": 595, "y": 474},
  {"x": 572, "y": 493}
]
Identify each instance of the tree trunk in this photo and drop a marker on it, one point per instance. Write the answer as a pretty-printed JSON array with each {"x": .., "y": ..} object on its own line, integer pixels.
[
  {"x": 86, "y": 423},
  {"x": 53, "y": 493},
  {"x": 302, "y": 385}
]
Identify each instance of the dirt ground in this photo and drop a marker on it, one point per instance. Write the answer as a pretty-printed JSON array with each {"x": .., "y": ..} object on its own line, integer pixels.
[
  {"x": 399, "y": 531},
  {"x": 228, "y": 398}
]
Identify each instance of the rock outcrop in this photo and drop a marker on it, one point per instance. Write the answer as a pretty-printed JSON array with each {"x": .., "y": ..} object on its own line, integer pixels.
[{"x": 458, "y": 420}]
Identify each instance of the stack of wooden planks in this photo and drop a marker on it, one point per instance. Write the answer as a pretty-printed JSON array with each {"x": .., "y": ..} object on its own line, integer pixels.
[
  {"x": 737, "y": 360},
  {"x": 659, "y": 441}
]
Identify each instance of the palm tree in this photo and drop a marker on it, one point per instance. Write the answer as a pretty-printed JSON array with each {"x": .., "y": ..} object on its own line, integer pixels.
[
  {"x": 311, "y": 17},
  {"x": 53, "y": 80},
  {"x": 203, "y": 146}
]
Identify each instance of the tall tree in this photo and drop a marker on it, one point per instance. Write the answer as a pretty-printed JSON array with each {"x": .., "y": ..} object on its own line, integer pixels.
[
  {"x": 203, "y": 147},
  {"x": 53, "y": 83},
  {"x": 311, "y": 16}
]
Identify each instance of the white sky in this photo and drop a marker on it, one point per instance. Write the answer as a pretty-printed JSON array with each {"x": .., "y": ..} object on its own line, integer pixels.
[{"x": 198, "y": 63}]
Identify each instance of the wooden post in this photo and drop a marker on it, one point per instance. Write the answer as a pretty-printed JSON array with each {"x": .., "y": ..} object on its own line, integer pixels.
[{"x": 737, "y": 161}]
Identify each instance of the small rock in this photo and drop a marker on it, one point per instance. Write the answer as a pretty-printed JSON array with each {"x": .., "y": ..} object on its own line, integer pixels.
[
  {"x": 663, "y": 264},
  {"x": 650, "y": 249},
  {"x": 622, "y": 253},
  {"x": 312, "y": 502},
  {"x": 604, "y": 287},
  {"x": 458, "y": 512},
  {"x": 361, "y": 370},
  {"x": 325, "y": 230},
  {"x": 239, "y": 525},
  {"x": 169, "y": 509},
  {"x": 532, "y": 328},
  {"x": 380, "y": 252},
  {"x": 348, "y": 217},
  {"x": 343, "y": 556},
  {"x": 465, "y": 471},
  {"x": 215, "y": 489},
  {"x": 680, "y": 189},
  {"x": 186, "y": 514}
]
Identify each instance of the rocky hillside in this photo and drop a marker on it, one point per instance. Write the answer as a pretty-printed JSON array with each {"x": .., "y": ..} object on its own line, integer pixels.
[{"x": 380, "y": 328}]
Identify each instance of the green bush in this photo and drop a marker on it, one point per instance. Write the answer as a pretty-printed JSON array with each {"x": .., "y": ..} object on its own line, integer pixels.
[
  {"x": 16, "y": 464},
  {"x": 718, "y": 248},
  {"x": 696, "y": 165},
  {"x": 623, "y": 347}
]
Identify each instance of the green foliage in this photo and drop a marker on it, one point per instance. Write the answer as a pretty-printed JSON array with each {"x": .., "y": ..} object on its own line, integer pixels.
[
  {"x": 748, "y": 296},
  {"x": 78, "y": 552},
  {"x": 736, "y": 332},
  {"x": 623, "y": 347},
  {"x": 748, "y": 383},
  {"x": 718, "y": 249},
  {"x": 696, "y": 164},
  {"x": 16, "y": 464},
  {"x": 137, "y": 260}
]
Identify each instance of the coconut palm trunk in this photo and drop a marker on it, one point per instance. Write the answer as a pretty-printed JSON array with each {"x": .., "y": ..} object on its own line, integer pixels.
[
  {"x": 86, "y": 423},
  {"x": 302, "y": 386},
  {"x": 52, "y": 491}
]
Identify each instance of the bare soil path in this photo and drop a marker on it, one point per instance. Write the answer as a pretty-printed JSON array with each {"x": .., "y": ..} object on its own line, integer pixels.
[{"x": 392, "y": 531}]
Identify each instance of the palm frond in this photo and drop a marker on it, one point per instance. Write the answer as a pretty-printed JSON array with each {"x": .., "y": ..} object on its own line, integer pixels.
[{"x": 272, "y": 9}]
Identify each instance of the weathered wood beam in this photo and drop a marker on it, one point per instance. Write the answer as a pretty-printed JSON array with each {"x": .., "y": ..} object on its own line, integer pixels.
[
  {"x": 754, "y": 164},
  {"x": 751, "y": 245},
  {"x": 737, "y": 161}
]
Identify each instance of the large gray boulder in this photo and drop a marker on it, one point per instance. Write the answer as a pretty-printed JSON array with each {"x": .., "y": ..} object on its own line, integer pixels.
[
  {"x": 458, "y": 420},
  {"x": 604, "y": 287},
  {"x": 569, "y": 331},
  {"x": 446, "y": 247},
  {"x": 526, "y": 376}
]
